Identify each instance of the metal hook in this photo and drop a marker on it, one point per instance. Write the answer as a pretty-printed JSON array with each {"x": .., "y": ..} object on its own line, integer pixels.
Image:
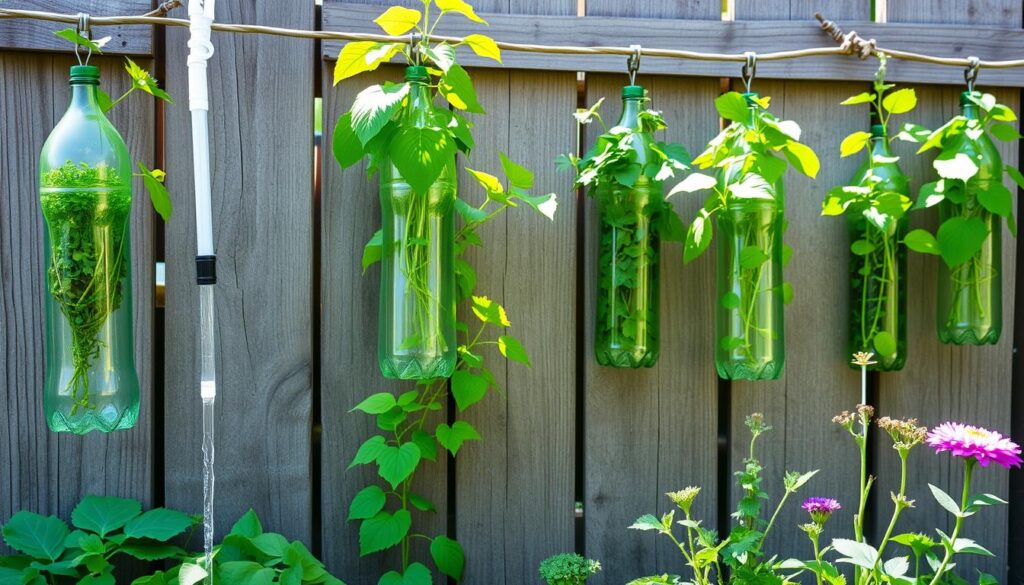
[
  {"x": 633, "y": 63},
  {"x": 971, "y": 73},
  {"x": 84, "y": 29},
  {"x": 414, "y": 47},
  {"x": 749, "y": 69}
]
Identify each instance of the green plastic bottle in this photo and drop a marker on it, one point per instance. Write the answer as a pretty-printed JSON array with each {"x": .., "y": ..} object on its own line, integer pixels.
[
  {"x": 626, "y": 333},
  {"x": 416, "y": 340},
  {"x": 750, "y": 328},
  {"x": 85, "y": 193},
  {"x": 878, "y": 266},
  {"x": 970, "y": 307}
]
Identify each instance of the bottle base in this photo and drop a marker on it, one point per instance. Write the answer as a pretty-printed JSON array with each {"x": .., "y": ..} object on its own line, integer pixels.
[
  {"x": 413, "y": 369},
  {"x": 968, "y": 337},
  {"x": 81, "y": 424},
  {"x": 627, "y": 360},
  {"x": 750, "y": 372}
]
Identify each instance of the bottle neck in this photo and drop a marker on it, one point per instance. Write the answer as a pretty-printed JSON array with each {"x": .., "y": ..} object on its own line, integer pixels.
[
  {"x": 969, "y": 111},
  {"x": 879, "y": 145},
  {"x": 420, "y": 102},
  {"x": 631, "y": 108},
  {"x": 84, "y": 95}
]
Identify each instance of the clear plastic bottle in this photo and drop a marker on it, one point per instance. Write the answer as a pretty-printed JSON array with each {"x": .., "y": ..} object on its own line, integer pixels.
[
  {"x": 86, "y": 197},
  {"x": 626, "y": 332},
  {"x": 416, "y": 340}
]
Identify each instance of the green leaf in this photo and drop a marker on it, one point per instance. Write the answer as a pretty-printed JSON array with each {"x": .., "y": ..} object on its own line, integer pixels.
[
  {"x": 980, "y": 501},
  {"x": 37, "y": 536},
  {"x": 374, "y": 107},
  {"x": 158, "y": 524},
  {"x": 751, "y": 257},
  {"x": 959, "y": 239},
  {"x": 383, "y": 531},
  {"x": 458, "y": 90},
  {"x": 547, "y": 205},
  {"x": 922, "y": 241},
  {"x": 70, "y": 34},
  {"x": 105, "y": 578},
  {"x": 460, "y": 7},
  {"x": 360, "y": 56},
  {"x": 390, "y": 578},
  {"x": 425, "y": 441},
  {"x": 398, "y": 20},
  {"x": 398, "y": 463},
  {"x": 860, "y": 98},
  {"x": 862, "y": 247},
  {"x": 249, "y": 524},
  {"x": 151, "y": 551},
  {"x": 698, "y": 236},
  {"x": 271, "y": 544},
  {"x": 489, "y": 182},
  {"x": 420, "y": 154},
  {"x": 448, "y": 556},
  {"x": 378, "y": 403},
  {"x": 648, "y": 522},
  {"x": 854, "y": 143},
  {"x": 513, "y": 350},
  {"x": 959, "y": 167},
  {"x": 732, "y": 106},
  {"x": 1005, "y": 132},
  {"x": 997, "y": 199},
  {"x": 945, "y": 501},
  {"x": 468, "y": 388},
  {"x": 158, "y": 195},
  {"x": 900, "y": 101},
  {"x": 367, "y": 503},
  {"x": 787, "y": 293},
  {"x": 103, "y": 515},
  {"x": 145, "y": 81},
  {"x": 730, "y": 300},
  {"x": 968, "y": 546},
  {"x": 369, "y": 451},
  {"x": 856, "y": 553},
  {"x": 490, "y": 312},
  {"x": 417, "y": 574},
  {"x": 422, "y": 504},
  {"x": 518, "y": 175},
  {"x": 244, "y": 573},
  {"x": 452, "y": 437},
  {"x": 484, "y": 46},
  {"x": 373, "y": 251},
  {"x": 885, "y": 344},
  {"x": 190, "y": 574},
  {"x": 802, "y": 158},
  {"x": 441, "y": 55},
  {"x": 345, "y": 145}
]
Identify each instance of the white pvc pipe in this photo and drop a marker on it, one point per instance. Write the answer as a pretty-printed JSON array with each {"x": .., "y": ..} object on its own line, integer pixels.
[{"x": 200, "y": 15}]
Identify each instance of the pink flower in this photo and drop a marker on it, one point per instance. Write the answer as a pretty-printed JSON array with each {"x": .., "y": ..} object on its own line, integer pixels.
[
  {"x": 821, "y": 509},
  {"x": 969, "y": 442}
]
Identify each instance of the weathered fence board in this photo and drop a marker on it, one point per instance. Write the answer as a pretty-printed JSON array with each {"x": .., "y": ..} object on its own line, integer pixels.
[
  {"x": 48, "y": 472},
  {"x": 261, "y": 146},
  {"x": 38, "y": 34},
  {"x": 764, "y": 35}
]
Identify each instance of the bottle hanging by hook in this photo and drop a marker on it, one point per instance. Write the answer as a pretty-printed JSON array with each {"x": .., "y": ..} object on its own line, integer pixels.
[
  {"x": 633, "y": 63},
  {"x": 971, "y": 73},
  {"x": 84, "y": 30},
  {"x": 749, "y": 69}
]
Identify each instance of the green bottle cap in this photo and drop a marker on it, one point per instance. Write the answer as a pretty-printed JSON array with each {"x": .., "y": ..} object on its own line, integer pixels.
[
  {"x": 877, "y": 131},
  {"x": 750, "y": 96},
  {"x": 965, "y": 97},
  {"x": 87, "y": 74},
  {"x": 633, "y": 91},
  {"x": 416, "y": 73}
]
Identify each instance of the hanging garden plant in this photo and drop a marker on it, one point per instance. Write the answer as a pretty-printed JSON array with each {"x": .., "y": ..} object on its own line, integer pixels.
[
  {"x": 746, "y": 202},
  {"x": 972, "y": 203},
  {"x": 412, "y": 144},
  {"x": 85, "y": 195},
  {"x": 623, "y": 172},
  {"x": 875, "y": 203}
]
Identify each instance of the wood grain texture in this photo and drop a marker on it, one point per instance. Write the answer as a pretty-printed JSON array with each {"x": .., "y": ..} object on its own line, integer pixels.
[
  {"x": 37, "y": 35},
  {"x": 655, "y": 430},
  {"x": 515, "y": 490},
  {"x": 43, "y": 471},
  {"x": 261, "y": 145},
  {"x": 745, "y": 34}
]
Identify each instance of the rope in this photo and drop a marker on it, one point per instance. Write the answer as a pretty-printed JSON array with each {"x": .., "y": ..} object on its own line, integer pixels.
[{"x": 850, "y": 43}]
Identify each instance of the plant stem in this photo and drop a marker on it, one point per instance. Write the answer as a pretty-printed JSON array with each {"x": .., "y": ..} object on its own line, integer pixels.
[{"x": 968, "y": 468}]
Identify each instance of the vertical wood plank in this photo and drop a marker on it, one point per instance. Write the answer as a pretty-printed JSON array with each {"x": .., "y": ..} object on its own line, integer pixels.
[
  {"x": 50, "y": 472},
  {"x": 643, "y": 434},
  {"x": 817, "y": 382},
  {"x": 261, "y": 137},
  {"x": 515, "y": 490},
  {"x": 945, "y": 382}
]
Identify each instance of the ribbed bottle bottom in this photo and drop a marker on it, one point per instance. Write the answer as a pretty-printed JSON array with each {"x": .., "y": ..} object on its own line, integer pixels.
[
  {"x": 749, "y": 371},
  {"x": 617, "y": 358},
  {"x": 968, "y": 337},
  {"x": 399, "y": 368},
  {"x": 80, "y": 424}
]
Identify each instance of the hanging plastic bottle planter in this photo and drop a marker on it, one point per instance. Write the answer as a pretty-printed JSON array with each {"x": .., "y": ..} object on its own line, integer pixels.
[
  {"x": 417, "y": 295},
  {"x": 747, "y": 207},
  {"x": 86, "y": 198}
]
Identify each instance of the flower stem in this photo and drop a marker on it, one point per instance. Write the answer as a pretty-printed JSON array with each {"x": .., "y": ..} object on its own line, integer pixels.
[{"x": 968, "y": 468}]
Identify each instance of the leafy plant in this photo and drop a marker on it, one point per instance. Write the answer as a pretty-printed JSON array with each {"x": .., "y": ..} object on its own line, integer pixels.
[
  {"x": 750, "y": 157},
  {"x": 568, "y": 569},
  {"x": 624, "y": 171},
  {"x": 410, "y": 432},
  {"x": 108, "y": 529},
  {"x": 742, "y": 550},
  {"x": 876, "y": 202}
]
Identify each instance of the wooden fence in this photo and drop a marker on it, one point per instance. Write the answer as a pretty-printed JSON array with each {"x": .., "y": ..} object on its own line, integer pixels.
[{"x": 572, "y": 453}]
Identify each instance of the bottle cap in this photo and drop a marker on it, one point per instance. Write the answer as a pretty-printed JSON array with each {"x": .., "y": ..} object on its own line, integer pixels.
[
  {"x": 86, "y": 74},
  {"x": 416, "y": 73},
  {"x": 965, "y": 97},
  {"x": 633, "y": 91},
  {"x": 877, "y": 131},
  {"x": 750, "y": 96}
]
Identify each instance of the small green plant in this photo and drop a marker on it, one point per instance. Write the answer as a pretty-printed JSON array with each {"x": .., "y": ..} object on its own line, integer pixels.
[
  {"x": 568, "y": 569},
  {"x": 105, "y": 530}
]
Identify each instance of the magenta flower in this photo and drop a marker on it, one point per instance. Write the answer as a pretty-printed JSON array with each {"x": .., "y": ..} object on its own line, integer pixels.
[
  {"x": 821, "y": 509},
  {"x": 970, "y": 442}
]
